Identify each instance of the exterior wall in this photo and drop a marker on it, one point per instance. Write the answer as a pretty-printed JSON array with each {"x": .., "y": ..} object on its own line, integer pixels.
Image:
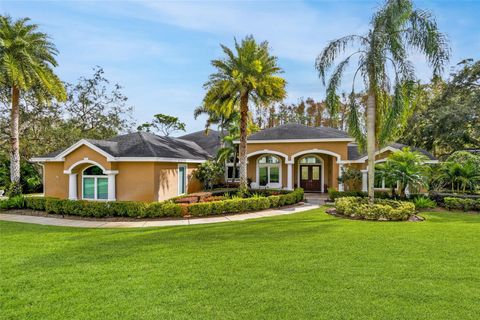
[
  {"x": 330, "y": 170},
  {"x": 135, "y": 181},
  {"x": 56, "y": 182},
  {"x": 289, "y": 149},
  {"x": 85, "y": 152}
]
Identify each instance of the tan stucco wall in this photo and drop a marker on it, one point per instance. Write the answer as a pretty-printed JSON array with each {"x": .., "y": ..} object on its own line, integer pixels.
[
  {"x": 56, "y": 182},
  {"x": 135, "y": 181},
  {"x": 331, "y": 168},
  {"x": 289, "y": 149}
]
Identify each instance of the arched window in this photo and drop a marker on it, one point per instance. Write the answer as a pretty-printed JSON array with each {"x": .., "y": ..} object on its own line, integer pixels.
[
  {"x": 94, "y": 184},
  {"x": 269, "y": 171},
  {"x": 311, "y": 160}
]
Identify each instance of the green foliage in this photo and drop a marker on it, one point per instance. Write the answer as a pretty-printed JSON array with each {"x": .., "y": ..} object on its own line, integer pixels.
[
  {"x": 209, "y": 172},
  {"x": 163, "y": 209},
  {"x": 17, "y": 202},
  {"x": 384, "y": 209},
  {"x": 35, "y": 203},
  {"x": 163, "y": 123},
  {"x": 406, "y": 167},
  {"x": 350, "y": 176},
  {"x": 54, "y": 206},
  {"x": 334, "y": 194},
  {"x": 14, "y": 189},
  {"x": 461, "y": 171},
  {"x": 462, "y": 204},
  {"x": 250, "y": 74},
  {"x": 424, "y": 203},
  {"x": 239, "y": 204},
  {"x": 447, "y": 120}
]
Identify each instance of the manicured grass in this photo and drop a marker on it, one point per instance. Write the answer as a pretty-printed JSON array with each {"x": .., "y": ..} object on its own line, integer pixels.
[{"x": 302, "y": 266}]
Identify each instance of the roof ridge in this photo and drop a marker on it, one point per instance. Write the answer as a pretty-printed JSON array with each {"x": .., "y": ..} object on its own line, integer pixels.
[{"x": 140, "y": 133}]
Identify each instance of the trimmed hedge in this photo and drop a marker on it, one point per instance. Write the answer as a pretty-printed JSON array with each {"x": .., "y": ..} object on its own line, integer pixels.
[
  {"x": 381, "y": 209},
  {"x": 465, "y": 204},
  {"x": 132, "y": 209},
  {"x": 238, "y": 205},
  {"x": 334, "y": 194},
  {"x": 439, "y": 197}
]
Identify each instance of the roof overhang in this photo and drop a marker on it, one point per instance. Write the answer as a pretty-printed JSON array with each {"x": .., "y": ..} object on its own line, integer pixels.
[{"x": 297, "y": 140}]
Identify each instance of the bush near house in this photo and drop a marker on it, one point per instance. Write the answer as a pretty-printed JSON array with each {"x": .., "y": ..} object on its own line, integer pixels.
[
  {"x": 466, "y": 204},
  {"x": 334, "y": 194},
  {"x": 381, "y": 209},
  {"x": 439, "y": 197},
  {"x": 132, "y": 209}
]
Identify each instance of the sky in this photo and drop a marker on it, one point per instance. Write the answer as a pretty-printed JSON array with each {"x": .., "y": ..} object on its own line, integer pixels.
[{"x": 160, "y": 51}]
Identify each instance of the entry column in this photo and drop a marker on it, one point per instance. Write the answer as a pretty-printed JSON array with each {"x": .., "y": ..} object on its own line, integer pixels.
[
  {"x": 111, "y": 186},
  {"x": 364, "y": 180},
  {"x": 289, "y": 175},
  {"x": 72, "y": 186}
]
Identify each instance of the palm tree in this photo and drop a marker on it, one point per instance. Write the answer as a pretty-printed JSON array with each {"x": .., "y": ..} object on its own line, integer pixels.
[
  {"x": 250, "y": 74},
  {"x": 396, "y": 28},
  {"x": 407, "y": 168},
  {"x": 26, "y": 61}
]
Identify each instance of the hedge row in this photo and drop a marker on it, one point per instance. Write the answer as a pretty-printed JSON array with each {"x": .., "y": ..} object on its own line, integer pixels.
[
  {"x": 465, "y": 204},
  {"x": 439, "y": 197},
  {"x": 149, "y": 210},
  {"x": 381, "y": 209},
  {"x": 244, "y": 204},
  {"x": 334, "y": 194}
]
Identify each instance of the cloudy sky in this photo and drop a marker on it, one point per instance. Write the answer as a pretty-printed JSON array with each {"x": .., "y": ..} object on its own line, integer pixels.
[{"x": 160, "y": 51}]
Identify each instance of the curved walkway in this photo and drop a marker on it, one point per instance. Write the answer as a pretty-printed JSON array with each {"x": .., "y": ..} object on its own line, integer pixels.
[{"x": 152, "y": 223}]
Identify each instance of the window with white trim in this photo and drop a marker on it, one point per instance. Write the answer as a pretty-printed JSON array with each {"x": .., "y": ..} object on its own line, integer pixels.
[
  {"x": 268, "y": 170},
  {"x": 94, "y": 184},
  {"x": 232, "y": 172},
  {"x": 182, "y": 179}
]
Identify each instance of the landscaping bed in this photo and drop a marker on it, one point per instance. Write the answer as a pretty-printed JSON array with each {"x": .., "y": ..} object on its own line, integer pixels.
[
  {"x": 381, "y": 209},
  {"x": 166, "y": 209}
]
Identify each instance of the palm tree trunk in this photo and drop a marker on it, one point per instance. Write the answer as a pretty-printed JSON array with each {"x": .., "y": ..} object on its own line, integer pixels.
[
  {"x": 14, "y": 137},
  {"x": 243, "y": 141},
  {"x": 371, "y": 143}
]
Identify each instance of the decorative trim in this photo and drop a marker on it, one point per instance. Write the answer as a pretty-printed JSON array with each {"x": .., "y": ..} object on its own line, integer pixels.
[
  {"x": 80, "y": 143},
  {"x": 156, "y": 159},
  {"x": 266, "y": 151},
  {"x": 313, "y": 151}
]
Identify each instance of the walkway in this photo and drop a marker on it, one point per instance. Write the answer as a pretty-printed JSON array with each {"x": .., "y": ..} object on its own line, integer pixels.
[{"x": 152, "y": 223}]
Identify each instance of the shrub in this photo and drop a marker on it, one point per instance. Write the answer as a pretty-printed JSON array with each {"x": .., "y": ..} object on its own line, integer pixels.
[
  {"x": 17, "y": 202},
  {"x": 334, "y": 194},
  {"x": 380, "y": 209},
  {"x": 163, "y": 209},
  {"x": 35, "y": 203},
  {"x": 439, "y": 197},
  {"x": 466, "y": 204},
  {"x": 200, "y": 209},
  {"x": 53, "y": 205},
  {"x": 130, "y": 209},
  {"x": 14, "y": 190},
  {"x": 424, "y": 203}
]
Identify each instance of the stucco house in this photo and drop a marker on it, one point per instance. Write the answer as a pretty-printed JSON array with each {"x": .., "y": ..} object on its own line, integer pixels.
[{"x": 145, "y": 167}]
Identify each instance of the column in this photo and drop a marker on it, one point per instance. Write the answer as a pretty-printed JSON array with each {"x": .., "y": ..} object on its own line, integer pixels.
[
  {"x": 111, "y": 187},
  {"x": 364, "y": 180},
  {"x": 289, "y": 176},
  {"x": 340, "y": 184},
  {"x": 72, "y": 186}
]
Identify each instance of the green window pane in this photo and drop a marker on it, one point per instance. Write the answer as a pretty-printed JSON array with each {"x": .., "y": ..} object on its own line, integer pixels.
[
  {"x": 274, "y": 175},
  {"x": 102, "y": 188},
  {"x": 263, "y": 176},
  {"x": 181, "y": 177},
  {"x": 89, "y": 188}
]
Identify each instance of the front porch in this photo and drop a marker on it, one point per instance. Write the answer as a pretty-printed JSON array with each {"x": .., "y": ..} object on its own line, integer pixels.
[{"x": 313, "y": 170}]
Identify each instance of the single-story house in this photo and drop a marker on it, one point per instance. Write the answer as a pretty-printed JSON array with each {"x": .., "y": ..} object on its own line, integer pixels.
[{"x": 145, "y": 167}]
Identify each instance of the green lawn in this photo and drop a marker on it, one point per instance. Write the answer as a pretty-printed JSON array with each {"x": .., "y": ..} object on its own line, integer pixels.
[{"x": 302, "y": 266}]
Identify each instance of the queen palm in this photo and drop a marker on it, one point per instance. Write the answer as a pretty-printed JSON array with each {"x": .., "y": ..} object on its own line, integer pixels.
[
  {"x": 248, "y": 75},
  {"x": 395, "y": 29},
  {"x": 27, "y": 57}
]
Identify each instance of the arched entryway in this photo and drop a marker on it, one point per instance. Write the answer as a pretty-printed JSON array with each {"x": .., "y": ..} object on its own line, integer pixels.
[{"x": 311, "y": 173}]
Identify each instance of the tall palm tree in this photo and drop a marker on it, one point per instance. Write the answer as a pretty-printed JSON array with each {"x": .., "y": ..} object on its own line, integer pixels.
[
  {"x": 27, "y": 57},
  {"x": 250, "y": 74},
  {"x": 396, "y": 28}
]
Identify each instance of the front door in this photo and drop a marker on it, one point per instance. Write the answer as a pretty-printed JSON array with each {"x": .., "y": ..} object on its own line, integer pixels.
[{"x": 310, "y": 178}]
